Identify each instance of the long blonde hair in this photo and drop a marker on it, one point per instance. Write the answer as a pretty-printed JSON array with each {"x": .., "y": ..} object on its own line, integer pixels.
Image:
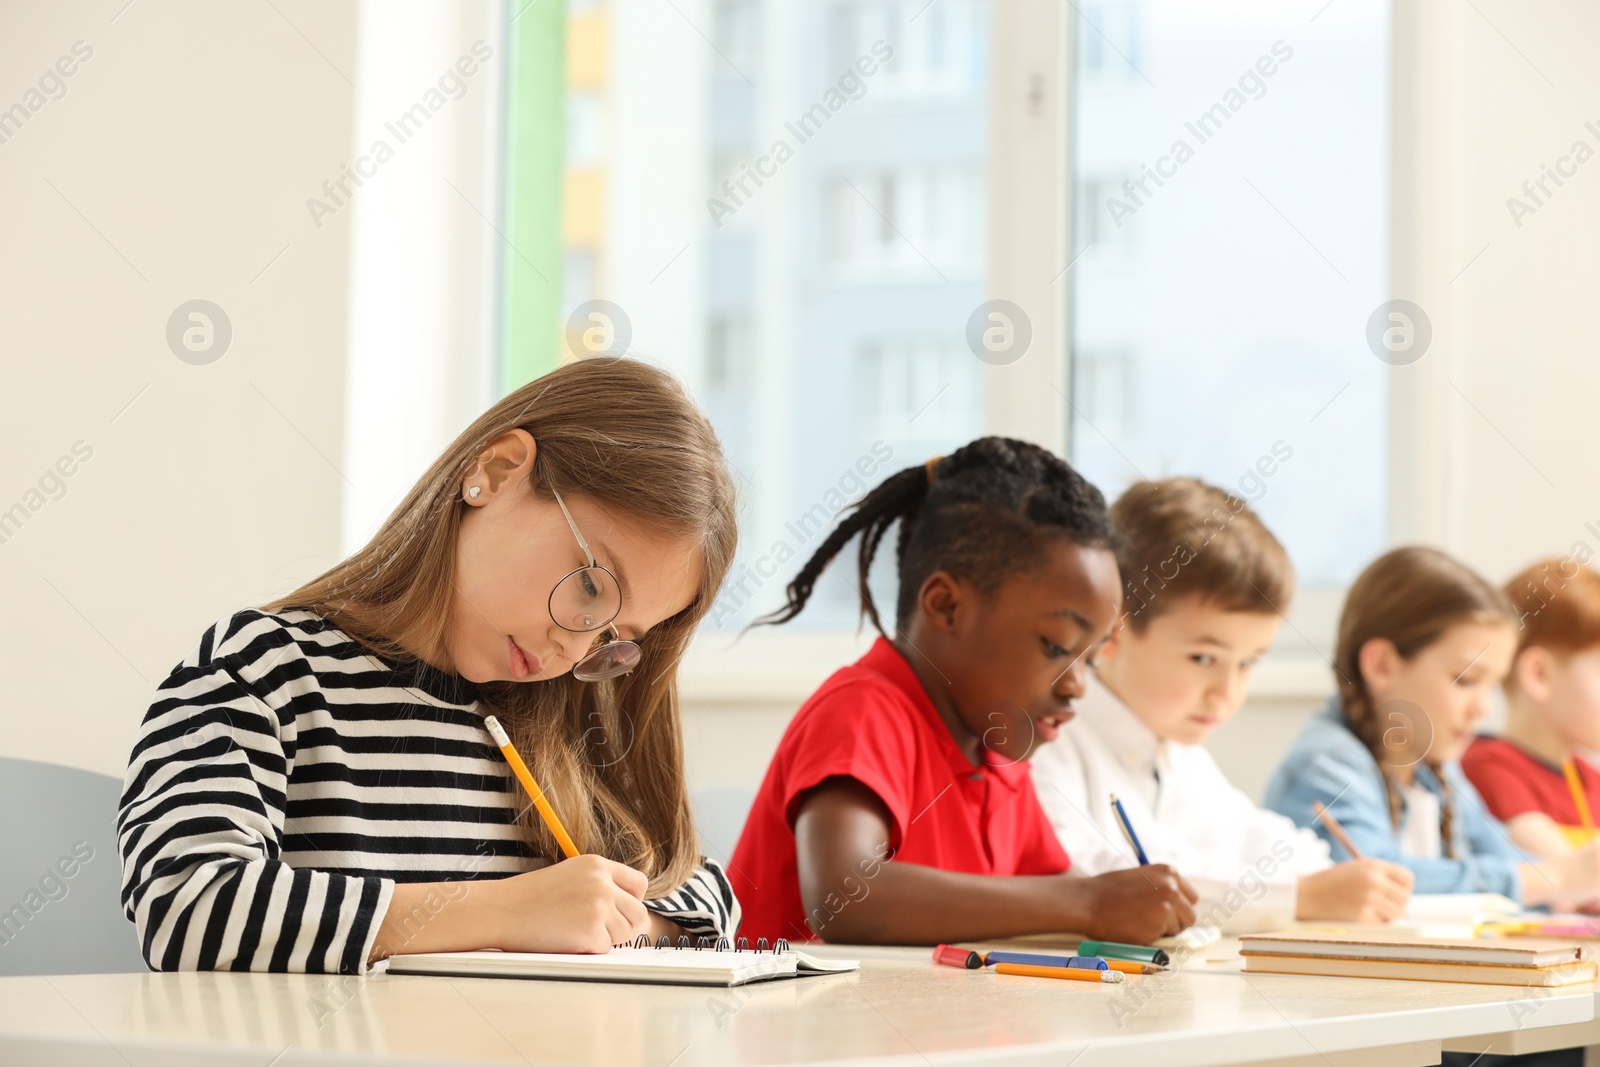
[
  {"x": 609, "y": 753},
  {"x": 1409, "y": 596}
]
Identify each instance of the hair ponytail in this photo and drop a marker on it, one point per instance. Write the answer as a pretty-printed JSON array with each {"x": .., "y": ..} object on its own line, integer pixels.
[
  {"x": 897, "y": 499},
  {"x": 983, "y": 512}
]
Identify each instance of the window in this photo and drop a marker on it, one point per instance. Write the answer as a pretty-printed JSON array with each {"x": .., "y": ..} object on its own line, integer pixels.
[
  {"x": 797, "y": 230},
  {"x": 1232, "y": 205},
  {"x": 941, "y": 45},
  {"x": 583, "y": 128},
  {"x": 900, "y": 385},
  {"x": 906, "y": 223},
  {"x": 1110, "y": 41},
  {"x": 737, "y": 32}
]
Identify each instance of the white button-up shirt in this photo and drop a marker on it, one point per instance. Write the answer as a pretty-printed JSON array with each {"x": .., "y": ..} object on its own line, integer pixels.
[{"x": 1244, "y": 861}]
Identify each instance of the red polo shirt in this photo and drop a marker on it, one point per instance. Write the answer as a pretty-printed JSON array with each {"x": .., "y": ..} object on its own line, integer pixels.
[
  {"x": 1513, "y": 781},
  {"x": 872, "y": 721}
]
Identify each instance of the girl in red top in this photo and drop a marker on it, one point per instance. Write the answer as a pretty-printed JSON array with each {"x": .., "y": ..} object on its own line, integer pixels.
[
  {"x": 899, "y": 807},
  {"x": 1531, "y": 776}
]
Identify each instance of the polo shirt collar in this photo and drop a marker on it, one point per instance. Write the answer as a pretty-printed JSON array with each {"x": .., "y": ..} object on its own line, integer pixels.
[{"x": 885, "y": 660}]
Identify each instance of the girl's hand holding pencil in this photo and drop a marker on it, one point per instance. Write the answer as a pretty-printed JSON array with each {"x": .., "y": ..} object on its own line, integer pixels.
[
  {"x": 585, "y": 904},
  {"x": 581, "y": 904}
]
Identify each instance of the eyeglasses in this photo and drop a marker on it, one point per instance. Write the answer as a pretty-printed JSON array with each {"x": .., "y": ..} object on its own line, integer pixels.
[{"x": 588, "y": 599}]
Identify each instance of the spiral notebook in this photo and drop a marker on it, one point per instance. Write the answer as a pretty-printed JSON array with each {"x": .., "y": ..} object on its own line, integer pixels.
[{"x": 661, "y": 963}]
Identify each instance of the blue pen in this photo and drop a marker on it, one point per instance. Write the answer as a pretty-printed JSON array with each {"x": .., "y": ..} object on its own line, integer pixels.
[
  {"x": 1127, "y": 830},
  {"x": 1036, "y": 959}
]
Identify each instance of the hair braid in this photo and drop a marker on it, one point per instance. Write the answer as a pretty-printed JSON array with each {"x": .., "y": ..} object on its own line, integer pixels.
[
  {"x": 1391, "y": 790},
  {"x": 1409, "y": 596},
  {"x": 1447, "y": 814},
  {"x": 984, "y": 512},
  {"x": 871, "y": 517}
]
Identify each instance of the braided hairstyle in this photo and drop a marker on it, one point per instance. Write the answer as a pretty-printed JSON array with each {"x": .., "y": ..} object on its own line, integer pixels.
[
  {"x": 983, "y": 513},
  {"x": 1410, "y": 596}
]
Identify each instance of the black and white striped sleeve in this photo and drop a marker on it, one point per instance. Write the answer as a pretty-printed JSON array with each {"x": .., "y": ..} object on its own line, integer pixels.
[
  {"x": 200, "y": 826},
  {"x": 704, "y": 905}
]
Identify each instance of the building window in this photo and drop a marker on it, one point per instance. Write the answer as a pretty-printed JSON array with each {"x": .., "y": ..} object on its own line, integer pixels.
[{"x": 1219, "y": 304}]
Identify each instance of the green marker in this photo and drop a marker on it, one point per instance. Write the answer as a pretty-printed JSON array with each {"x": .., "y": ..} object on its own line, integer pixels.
[{"x": 1112, "y": 950}]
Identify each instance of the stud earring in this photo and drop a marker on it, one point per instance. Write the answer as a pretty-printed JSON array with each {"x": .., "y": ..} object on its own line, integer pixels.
[{"x": 474, "y": 491}]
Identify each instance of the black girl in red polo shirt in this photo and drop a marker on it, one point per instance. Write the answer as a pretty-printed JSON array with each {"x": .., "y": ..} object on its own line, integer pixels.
[{"x": 899, "y": 807}]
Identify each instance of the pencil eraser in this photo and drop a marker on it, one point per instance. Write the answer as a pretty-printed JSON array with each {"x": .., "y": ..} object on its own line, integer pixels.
[{"x": 496, "y": 731}]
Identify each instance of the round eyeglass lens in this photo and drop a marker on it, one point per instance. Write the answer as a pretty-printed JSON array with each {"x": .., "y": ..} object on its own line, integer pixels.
[
  {"x": 608, "y": 661},
  {"x": 585, "y": 600}
]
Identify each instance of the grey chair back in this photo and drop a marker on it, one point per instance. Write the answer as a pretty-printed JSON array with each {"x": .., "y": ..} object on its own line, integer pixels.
[{"x": 60, "y": 875}]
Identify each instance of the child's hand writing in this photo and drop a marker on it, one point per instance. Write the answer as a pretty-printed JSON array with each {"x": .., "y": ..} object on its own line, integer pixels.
[
  {"x": 1136, "y": 905},
  {"x": 584, "y": 904},
  {"x": 1364, "y": 891}
]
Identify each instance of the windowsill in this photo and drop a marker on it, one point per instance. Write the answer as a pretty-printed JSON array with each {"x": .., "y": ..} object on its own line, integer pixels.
[{"x": 766, "y": 668}]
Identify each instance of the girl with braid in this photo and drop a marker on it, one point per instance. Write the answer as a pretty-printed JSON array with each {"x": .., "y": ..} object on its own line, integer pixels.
[
  {"x": 1423, "y": 641},
  {"x": 898, "y": 808}
]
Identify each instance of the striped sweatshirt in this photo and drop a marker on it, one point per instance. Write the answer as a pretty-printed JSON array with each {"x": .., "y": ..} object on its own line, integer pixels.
[{"x": 286, "y": 778}]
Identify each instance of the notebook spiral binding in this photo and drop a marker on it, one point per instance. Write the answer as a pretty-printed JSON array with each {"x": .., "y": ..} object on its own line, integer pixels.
[{"x": 702, "y": 944}]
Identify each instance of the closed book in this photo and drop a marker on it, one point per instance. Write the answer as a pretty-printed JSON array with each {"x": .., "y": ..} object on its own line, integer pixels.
[
  {"x": 1560, "y": 974},
  {"x": 1379, "y": 945}
]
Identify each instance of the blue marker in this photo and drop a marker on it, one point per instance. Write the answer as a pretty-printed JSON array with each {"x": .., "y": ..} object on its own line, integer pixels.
[
  {"x": 1034, "y": 959},
  {"x": 1127, "y": 830}
]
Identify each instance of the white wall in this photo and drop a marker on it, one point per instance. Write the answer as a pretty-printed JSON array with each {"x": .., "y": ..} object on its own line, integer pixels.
[
  {"x": 176, "y": 167},
  {"x": 1501, "y": 466}
]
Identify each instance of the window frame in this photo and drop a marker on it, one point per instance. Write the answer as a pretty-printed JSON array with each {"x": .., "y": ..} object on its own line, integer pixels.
[{"x": 1030, "y": 230}]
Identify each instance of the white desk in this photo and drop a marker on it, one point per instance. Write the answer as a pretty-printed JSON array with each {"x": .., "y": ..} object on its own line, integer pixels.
[{"x": 899, "y": 1008}]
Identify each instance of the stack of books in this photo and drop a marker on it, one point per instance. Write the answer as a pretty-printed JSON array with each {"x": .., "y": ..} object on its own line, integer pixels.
[{"x": 1523, "y": 961}]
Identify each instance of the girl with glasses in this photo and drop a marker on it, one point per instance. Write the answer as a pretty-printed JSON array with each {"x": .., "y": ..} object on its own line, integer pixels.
[{"x": 313, "y": 788}]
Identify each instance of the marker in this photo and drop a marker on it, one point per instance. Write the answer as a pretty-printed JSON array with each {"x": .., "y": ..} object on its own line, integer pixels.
[
  {"x": 1111, "y": 950},
  {"x": 1035, "y": 959},
  {"x": 951, "y": 956},
  {"x": 1335, "y": 829},
  {"x": 1076, "y": 974},
  {"x": 1127, "y": 830}
]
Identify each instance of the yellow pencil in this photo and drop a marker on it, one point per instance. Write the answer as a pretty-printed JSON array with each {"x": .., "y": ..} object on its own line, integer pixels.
[
  {"x": 1076, "y": 974},
  {"x": 1134, "y": 967},
  {"x": 546, "y": 812},
  {"x": 1579, "y": 800}
]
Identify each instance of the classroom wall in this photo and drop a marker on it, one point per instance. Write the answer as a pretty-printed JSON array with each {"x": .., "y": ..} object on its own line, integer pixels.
[{"x": 177, "y": 167}]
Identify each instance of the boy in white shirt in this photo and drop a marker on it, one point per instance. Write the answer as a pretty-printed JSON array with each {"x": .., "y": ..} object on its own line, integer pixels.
[{"x": 1204, "y": 584}]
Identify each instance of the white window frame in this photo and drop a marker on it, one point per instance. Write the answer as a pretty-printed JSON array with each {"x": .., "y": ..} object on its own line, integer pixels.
[
  {"x": 1028, "y": 234},
  {"x": 422, "y": 340},
  {"x": 1029, "y": 237}
]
